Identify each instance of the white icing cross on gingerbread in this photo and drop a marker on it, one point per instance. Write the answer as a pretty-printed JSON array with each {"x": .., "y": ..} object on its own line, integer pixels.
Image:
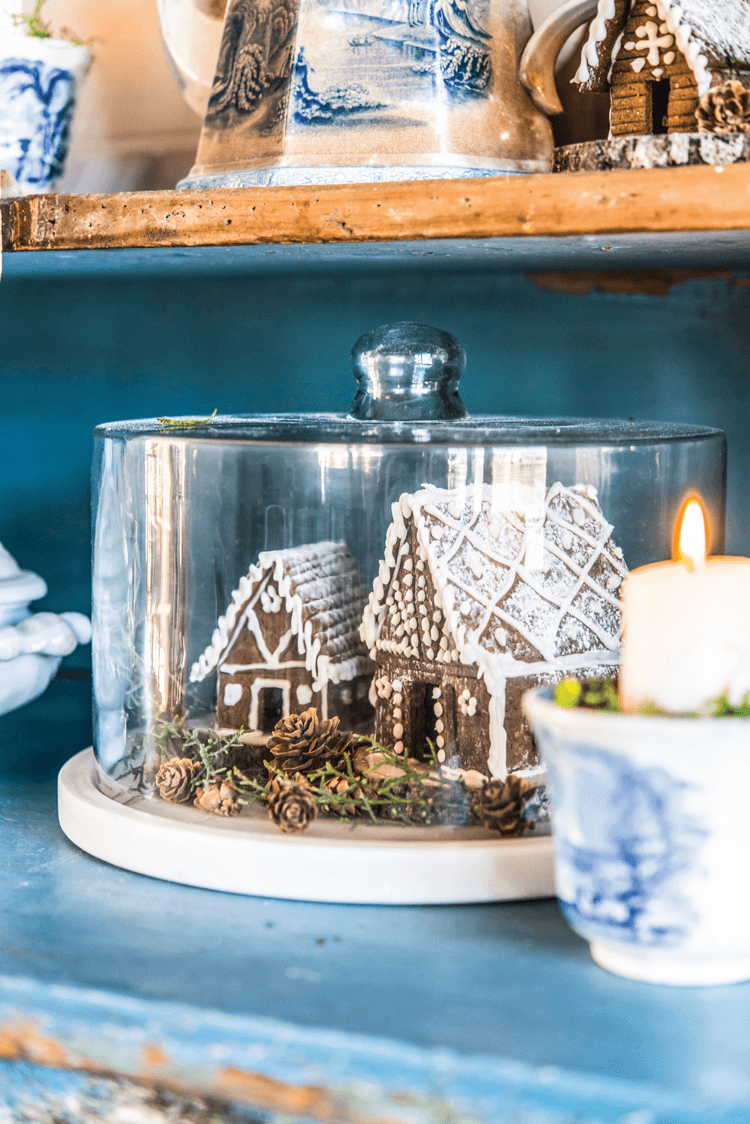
[{"x": 653, "y": 38}]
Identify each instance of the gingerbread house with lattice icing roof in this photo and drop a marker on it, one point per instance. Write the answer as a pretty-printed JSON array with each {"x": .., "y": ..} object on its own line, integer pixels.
[
  {"x": 290, "y": 640},
  {"x": 474, "y": 605},
  {"x": 658, "y": 58}
]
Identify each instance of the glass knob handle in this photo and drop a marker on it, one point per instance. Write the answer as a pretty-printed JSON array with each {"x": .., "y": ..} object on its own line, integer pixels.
[{"x": 408, "y": 372}]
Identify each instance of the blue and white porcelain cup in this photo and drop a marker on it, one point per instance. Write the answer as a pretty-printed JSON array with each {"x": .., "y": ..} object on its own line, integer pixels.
[
  {"x": 38, "y": 83},
  {"x": 651, "y": 841}
]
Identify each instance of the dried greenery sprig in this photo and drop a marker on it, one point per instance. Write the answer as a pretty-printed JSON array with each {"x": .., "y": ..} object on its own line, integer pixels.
[
  {"x": 220, "y": 774},
  {"x": 215, "y": 753},
  {"x": 36, "y": 27},
  {"x": 186, "y": 423}
]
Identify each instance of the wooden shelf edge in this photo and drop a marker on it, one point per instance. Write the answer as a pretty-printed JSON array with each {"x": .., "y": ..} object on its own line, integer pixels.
[{"x": 588, "y": 203}]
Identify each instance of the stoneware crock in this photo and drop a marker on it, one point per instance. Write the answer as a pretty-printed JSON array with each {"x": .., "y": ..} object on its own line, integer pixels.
[
  {"x": 346, "y": 91},
  {"x": 651, "y": 844}
]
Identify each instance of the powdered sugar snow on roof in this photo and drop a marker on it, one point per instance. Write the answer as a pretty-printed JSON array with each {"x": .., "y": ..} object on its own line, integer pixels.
[
  {"x": 477, "y": 559},
  {"x": 324, "y": 593}
]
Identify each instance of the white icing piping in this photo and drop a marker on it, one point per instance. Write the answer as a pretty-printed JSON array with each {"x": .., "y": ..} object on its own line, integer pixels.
[
  {"x": 228, "y": 627},
  {"x": 597, "y": 34},
  {"x": 669, "y": 13},
  {"x": 497, "y": 759},
  {"x": 615, "y": 53},
  {"x": 515, "y": 669},
  {"x": 235, "y": 668}
]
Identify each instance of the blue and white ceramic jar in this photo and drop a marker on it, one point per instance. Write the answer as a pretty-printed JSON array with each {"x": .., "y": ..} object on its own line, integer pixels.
[
  {"x": 38, "y": 84},
  {"x": 649, "y": 842}
]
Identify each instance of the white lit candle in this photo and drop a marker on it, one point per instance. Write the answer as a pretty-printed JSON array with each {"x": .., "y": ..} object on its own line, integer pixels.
[{"x": 687, "y": 627}]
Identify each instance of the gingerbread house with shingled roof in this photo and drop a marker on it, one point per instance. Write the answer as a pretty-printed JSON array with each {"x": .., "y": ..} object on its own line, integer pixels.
[
  {"x": 290, "y": 640},
  {"x": 473, "y": 605},
  {"x": 657, "y": 58}
]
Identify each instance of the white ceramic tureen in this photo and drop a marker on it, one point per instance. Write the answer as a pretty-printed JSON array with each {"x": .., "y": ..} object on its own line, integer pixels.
[{"x": 31, "y": 644}]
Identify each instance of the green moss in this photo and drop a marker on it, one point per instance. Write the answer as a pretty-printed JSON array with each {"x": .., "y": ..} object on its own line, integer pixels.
[
  {"x": 186, "y": 423},
  {"x": 594, "y": 694},
  {"x": 601, "y": 694},
  {"x": 568, "y": 693}
]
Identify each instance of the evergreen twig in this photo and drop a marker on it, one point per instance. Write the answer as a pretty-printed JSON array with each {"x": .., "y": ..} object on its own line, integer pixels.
[
  {"x": 36, "y": 27},
  {"x": 424, "y": 795}
]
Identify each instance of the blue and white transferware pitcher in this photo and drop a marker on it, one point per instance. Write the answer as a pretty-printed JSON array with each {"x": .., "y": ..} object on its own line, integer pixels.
[{"x": 349, "y": 91}]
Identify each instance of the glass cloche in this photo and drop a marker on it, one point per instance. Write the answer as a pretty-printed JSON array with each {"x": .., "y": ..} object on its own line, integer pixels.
[{"x": 336, "y": 615}]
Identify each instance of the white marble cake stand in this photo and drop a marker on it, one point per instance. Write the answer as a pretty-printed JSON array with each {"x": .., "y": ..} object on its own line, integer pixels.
[{"x": 382, "y": 864}]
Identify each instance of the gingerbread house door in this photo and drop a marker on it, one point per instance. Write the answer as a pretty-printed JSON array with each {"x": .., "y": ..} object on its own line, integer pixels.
[
  {"x": 269, "y": 703},
  {"x": 433, "y": 708}
]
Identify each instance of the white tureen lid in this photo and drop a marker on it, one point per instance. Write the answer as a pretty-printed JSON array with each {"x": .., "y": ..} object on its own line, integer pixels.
[{"x": 17, "y": 586}]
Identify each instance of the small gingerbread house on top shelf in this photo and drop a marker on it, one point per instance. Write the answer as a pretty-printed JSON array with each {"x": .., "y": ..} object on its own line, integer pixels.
[
  {"x": 658, "y": 58},
  {"x": 290, "y": 640}
]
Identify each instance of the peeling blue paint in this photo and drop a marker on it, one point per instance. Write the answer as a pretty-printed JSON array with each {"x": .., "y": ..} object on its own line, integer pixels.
[
  {"x": 417, "y": 1016},
  {"x": 367, "y": 1078}
]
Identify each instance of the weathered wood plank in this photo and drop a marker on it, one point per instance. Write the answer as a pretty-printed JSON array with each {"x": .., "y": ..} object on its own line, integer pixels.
[{"x": 670, "y": 199}]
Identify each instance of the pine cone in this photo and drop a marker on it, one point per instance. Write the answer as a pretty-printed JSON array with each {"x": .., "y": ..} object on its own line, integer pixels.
[
  {"x": 501, "y": 804},
  {"x": 175, "y": 779},
  {"x": 724, "y": 109},
  {"x": 360, "y": 761},
  {"x": 338, "y": 786},
  {"x": 220, "y": 799},
  {"x": 291, "y": 806},
  {"x": 302, "y": 744}
]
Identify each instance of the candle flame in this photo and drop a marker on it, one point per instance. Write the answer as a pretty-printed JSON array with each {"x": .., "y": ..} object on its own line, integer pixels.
[{"x": 692, "y": 538}]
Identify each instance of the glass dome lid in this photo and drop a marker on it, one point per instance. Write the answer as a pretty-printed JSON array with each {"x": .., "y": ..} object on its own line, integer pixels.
[
  {"x": 408, "y": 377},
  {"x": 398, "y": 576}
]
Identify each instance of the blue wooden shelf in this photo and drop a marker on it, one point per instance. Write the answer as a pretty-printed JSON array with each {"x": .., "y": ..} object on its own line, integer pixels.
[{"x": 340, "y": 1013}]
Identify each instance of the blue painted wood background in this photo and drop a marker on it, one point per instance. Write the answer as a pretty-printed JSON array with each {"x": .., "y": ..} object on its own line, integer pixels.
[{"x": 78, "y": 351}]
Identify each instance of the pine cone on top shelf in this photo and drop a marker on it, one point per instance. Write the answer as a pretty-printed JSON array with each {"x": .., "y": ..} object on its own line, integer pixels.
[
  {"x": 724, "y": 109},
  {"x": 302, "y": 744},
  {"x": 220, "y": 799},
  {"x": 291, "y": 805},
  {"x": 501, "y": 805},
  {"x": 175, "y": 779}
]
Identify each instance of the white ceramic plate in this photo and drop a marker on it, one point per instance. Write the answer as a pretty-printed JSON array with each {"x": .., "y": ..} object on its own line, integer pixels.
[{"x": 331, "y": 862}]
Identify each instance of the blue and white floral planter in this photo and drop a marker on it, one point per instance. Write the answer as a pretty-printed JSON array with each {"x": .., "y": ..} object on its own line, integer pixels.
[
  {"x": 652, "y": 839},
  {"x": 39, "y": 79}
]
